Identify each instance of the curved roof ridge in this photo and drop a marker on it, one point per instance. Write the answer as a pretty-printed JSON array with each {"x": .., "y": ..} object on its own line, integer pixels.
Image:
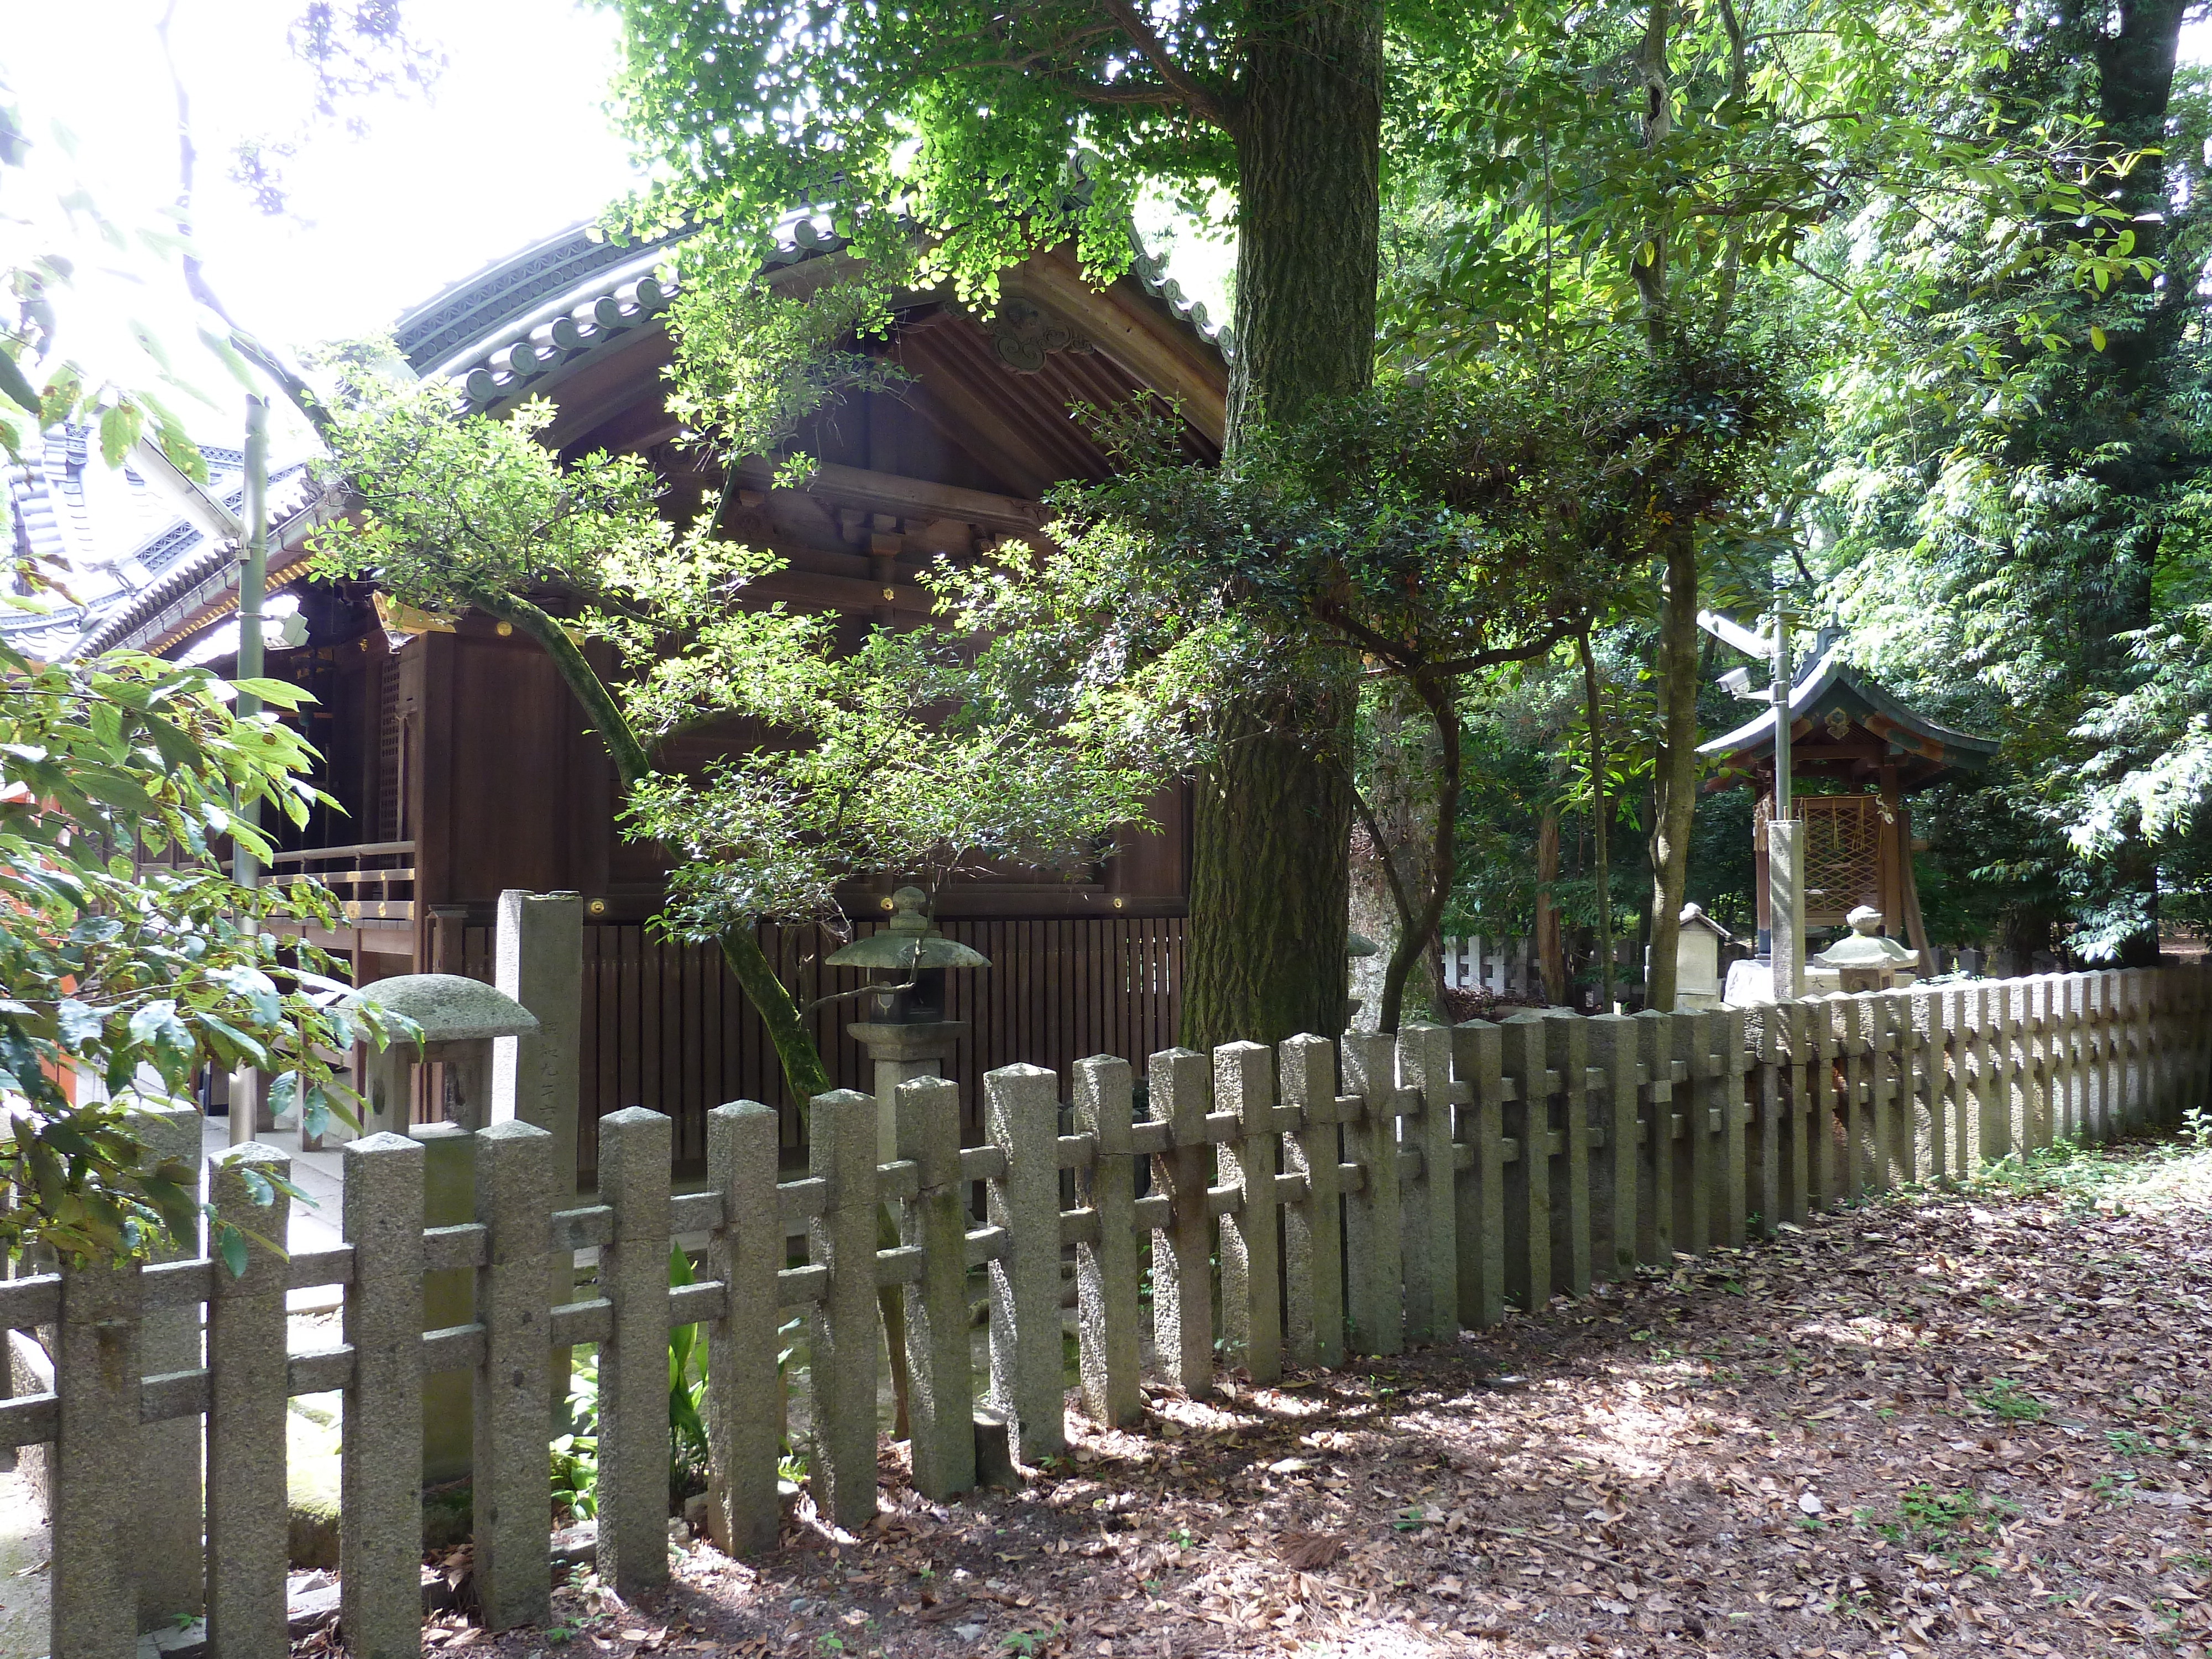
[
  {"x": 472, "y": 307},
  {"x": 1830, "y": 670},
  {"x": 505, "y": 329}
]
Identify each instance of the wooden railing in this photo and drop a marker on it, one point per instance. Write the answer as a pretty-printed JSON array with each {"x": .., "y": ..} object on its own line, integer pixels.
[{"x": 374, "y": 880}]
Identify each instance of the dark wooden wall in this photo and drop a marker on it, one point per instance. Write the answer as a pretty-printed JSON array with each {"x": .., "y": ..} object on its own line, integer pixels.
[
  {"x": 666, "y": 1027},
  {"x": 464, "y": 741}
]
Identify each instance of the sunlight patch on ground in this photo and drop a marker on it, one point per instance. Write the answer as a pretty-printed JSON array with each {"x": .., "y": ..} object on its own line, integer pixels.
[{"x": 2149, "y": 1181}]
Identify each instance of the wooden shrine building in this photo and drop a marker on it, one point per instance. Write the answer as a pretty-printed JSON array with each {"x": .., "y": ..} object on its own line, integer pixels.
[
  {"x": 1856, "y": 753},
  {"x": 462, "y": 763}
]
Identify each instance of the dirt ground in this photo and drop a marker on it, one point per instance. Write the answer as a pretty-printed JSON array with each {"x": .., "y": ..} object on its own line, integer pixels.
[{"x": 1942, "y": 1421}]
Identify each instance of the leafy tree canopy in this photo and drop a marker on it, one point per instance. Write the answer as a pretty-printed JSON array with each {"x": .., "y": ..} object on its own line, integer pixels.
[
  {"x": 122, "y": 981},
  {"x": 843, "y": 758},
  {"x": 965, "y": 120}
]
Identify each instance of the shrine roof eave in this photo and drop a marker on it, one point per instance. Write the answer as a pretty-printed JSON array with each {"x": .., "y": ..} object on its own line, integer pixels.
[
  {"x": 1923, "y": 748},
  {"x": 523, "y": 326}
]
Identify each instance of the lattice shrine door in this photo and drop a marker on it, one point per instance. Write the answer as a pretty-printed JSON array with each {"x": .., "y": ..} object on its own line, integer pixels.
[{"x": 1852, "y": 853}]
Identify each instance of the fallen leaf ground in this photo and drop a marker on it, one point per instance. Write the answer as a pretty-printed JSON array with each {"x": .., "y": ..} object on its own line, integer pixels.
[{"x": 1942, "y": 1421}]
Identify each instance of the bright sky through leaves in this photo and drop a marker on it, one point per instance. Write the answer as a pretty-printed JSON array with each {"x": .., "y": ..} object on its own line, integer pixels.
[{"x": 511, "y": 146}]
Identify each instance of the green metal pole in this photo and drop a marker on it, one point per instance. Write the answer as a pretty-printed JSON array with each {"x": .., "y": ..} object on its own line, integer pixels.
[
  {"x": 252, "y": 578},
  {"x": 247, "y": 1086}
]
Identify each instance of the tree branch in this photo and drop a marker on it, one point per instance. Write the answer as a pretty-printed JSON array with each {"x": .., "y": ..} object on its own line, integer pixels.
[
  {"x": 1507, "y": 654},
  {"x": 1378, "y": 644},
  {"x": 1202, "y": 99},
  {"x": 295, "y": 389},
  {"x": 1373, "y": 825},
  {"x": 1094, "y": 92}
]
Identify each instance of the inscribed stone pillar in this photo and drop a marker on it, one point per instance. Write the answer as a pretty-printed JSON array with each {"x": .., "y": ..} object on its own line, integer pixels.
[
  {"x": 92, "y": 1605},
  {"x": 172, "y": 1568},
  {"x": 1785, "y": 887},
  {"x": 539, "y": 962},
  {"x": 538, "y": 954},
  {"x": 246, "y": 1520},
  {"x": 448, "y": 1300}
]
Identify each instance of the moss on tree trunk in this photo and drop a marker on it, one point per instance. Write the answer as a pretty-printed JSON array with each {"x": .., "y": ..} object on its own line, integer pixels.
[{"x": 1270, "y": 890}]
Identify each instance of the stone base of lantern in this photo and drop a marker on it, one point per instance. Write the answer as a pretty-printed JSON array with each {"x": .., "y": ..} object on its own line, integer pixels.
[{"x": 900, "y": 1051}]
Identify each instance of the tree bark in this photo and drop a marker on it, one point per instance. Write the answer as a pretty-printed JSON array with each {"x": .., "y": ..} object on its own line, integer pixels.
[
  {"x": 1676, "y": 774},
  {"x": 2135, "y": 91},
  {"x": 1270, "y": 892},
  {"x": 1272, "y": 830},
  {"x": 1309, "y": 194},
  {"x": 1551, "y": 946}
]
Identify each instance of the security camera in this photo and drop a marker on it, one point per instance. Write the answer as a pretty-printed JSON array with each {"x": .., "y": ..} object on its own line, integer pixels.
[{"x": 1737, "y": 683}]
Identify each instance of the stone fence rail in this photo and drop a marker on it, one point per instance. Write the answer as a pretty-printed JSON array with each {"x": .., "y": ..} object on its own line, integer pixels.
[{"x": 1367, "y": 1194}]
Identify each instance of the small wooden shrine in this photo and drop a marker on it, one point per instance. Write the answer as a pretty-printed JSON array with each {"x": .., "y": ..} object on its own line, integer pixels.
[{"x": 1855, "y": 753}]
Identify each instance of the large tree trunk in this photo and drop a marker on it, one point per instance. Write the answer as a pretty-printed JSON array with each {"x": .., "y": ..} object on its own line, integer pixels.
[
  {"x": 2134, "y": 80},
  {"x": 2134, "y": 89},
  {"x": 1273, "y": 826},
  {"x": 1676, "y": 776},
  {"x": 1551, "y": 942},
  {"x": 1308, "y": 199},
  {"x": 1270, "y": 890}
]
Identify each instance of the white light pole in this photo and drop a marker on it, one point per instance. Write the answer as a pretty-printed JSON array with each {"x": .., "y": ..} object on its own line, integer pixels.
[{"x": 1785, "y": 846}]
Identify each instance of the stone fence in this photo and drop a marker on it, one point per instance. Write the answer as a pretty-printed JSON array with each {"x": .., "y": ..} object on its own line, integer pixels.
[{"x": 1367, "y": 1194}]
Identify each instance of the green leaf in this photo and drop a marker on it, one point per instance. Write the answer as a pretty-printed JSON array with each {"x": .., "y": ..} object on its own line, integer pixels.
[
  {"x": 78, "y": 1022},
  {"x": 230, "y": 1244},
  {"x": 119, "y": 426},
  {"x": 20, "y": 390},
  {"x": 157, "y": 1025},
  {"x": 283, "y": 1091}
]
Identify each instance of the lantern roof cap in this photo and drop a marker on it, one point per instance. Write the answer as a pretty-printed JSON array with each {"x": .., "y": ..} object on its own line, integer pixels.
[
  {"x": 908, "y": 940},
  {"x": 448, "y": 1007},
  {"x": 1863, "y": 947}
]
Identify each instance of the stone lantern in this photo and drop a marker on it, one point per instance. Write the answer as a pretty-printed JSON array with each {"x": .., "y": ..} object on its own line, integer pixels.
[
  {"x": 1358, "y": 949},
  {"x": 461, "y": 1018},
  {"x": 909, "y": 1035},
  {"x": 1864, "y": 960}
]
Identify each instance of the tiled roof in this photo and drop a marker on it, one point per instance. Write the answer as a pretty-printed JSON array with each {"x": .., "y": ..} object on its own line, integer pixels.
[
  {"x": 504, "y": 332},
  {"x": 201, "y": 570},
  {"x": 455, "y": 322},
  {"x": 501, "y": 334},
  {"x": 114, "y": 539}
]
